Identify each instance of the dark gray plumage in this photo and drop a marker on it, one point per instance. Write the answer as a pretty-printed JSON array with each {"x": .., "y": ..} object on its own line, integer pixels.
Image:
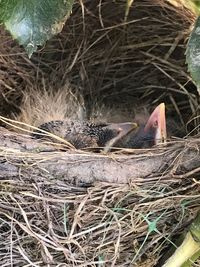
[{"x": 83, "y": 134}]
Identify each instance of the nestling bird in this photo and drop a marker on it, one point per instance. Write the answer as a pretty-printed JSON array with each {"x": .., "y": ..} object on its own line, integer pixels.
[
  {"x": 146, "y": 135},
  {"x": 83, "y": 134},
  {"x": 58, "y": 114},
  {"x": 152, "y": 133}
]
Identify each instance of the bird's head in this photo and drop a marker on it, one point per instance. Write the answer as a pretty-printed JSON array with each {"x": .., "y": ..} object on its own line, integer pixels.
[
  {"x": 129, "y": 135},
  {"x": 119, "y": 131},
  {"x": 149, "y": 134}
]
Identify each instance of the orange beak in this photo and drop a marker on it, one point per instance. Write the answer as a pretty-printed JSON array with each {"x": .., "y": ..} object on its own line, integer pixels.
[{"x": 157, "y": 121}]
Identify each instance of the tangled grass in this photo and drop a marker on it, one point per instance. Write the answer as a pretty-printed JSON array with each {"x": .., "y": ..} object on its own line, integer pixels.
[{"x": 114, "y": 62}]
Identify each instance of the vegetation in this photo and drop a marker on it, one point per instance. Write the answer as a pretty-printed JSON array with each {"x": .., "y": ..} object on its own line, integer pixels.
[{"x": 115, "y": 56}]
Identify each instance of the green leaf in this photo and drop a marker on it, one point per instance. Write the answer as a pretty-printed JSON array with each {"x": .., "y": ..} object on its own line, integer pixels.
[
  {"x": 195, "y": 228},
  {"x": 193, "y": 54},
  {"x": 197, "y": 3},
  {"x": 33, "y": 22}
]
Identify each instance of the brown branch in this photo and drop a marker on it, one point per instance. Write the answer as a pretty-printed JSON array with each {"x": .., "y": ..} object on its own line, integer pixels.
[{"x": 21, "y": 155}]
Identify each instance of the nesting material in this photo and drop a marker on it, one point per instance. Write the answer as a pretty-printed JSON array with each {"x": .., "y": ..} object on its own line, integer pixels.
[
  {"x": 51, "y": 215},
  {"x": 41, "y": 106}
]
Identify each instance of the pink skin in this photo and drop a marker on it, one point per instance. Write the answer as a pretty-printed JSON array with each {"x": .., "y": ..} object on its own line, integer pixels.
[{"x": 157, "y": 120}]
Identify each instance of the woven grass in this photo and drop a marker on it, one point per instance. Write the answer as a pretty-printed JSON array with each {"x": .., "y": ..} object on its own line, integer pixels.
[
  {"x": 116, "y": 63},
  {"x": 107, "y": 224},
  {"x": 127, "y": 63}
]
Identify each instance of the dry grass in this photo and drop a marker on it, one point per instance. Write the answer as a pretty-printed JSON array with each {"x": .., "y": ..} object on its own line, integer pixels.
[
  {"x": 41, "y": 106},
  {"x": 116, "y": 64},
  {"x": 17, "y": 74},
  {"x": 47, "y": 221},
  {"x": 126, "y": 64}
]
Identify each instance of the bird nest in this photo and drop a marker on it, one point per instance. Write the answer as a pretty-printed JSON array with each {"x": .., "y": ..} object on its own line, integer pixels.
[{"x": 91, "y": 209}]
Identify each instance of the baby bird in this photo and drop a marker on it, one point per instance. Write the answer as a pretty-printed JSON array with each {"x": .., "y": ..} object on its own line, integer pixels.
[
  {"x": 82, "y": 134},
  {"x": 60, "y": 114},
  {"x": 146, "y": 135},
  {"x": 152, "y": 133}
]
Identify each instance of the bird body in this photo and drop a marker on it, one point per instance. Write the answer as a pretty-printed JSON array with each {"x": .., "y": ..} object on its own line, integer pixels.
[
  {"x": 83, "y": 134},
  {"x": 38, "y": 109}
]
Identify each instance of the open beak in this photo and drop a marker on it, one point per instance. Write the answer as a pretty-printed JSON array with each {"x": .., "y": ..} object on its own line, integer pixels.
[
  {"x": 157, "y": 121},
  {"x": 122, "y": 129}
]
